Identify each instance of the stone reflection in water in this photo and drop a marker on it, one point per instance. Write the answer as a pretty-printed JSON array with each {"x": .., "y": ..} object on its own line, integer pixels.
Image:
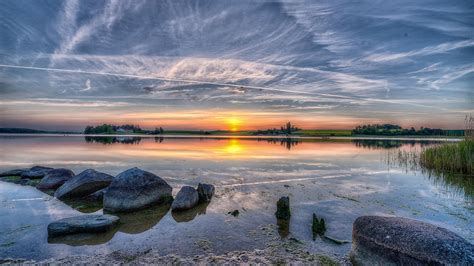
[
  {"x": 143, "y": 220},
  {"x": 84, "y": 239},
  {"x": 283, "y": 227},
  {"x": 112, "y": 140},
  {"x": 189, "y": 215},
  {"x": 84, "y": 205},
  {"x": 130, "y": 223}
]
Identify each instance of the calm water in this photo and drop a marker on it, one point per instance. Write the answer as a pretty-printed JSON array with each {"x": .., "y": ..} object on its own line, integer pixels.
[{"x": 338, "y": 180}]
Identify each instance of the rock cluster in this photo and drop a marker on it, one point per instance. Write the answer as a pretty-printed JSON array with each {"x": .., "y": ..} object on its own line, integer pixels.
[{"x": 188, "y": 197}]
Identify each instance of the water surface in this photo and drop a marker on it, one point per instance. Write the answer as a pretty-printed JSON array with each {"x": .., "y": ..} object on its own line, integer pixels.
[{"x": 338, "y": 180}]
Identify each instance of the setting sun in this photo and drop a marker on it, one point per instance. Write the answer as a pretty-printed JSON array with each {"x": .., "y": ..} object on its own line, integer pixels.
[{"x": 234, "y": 123}]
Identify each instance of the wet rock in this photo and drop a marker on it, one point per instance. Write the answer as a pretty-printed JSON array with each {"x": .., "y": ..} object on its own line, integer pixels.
[
  {"x": 97, "y": 196},
  {"x": 55, "y": 178},
  {"x": 136, "y": 189},
  {"x": 82, "y": 224},
  {"x": 205, "y": 191},
  {"x": 15, "y": 172},
  {"x": 186, "y": 198},
  {"x": 394, "y": 240},
  {"x": 36, "y": 172},
  {"x": 83, "y": 184},
  {"x": 283, "y": 208}
]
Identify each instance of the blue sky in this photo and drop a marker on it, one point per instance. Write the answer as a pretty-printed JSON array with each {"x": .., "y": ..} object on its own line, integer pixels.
[{"x": 199, "y": 64}]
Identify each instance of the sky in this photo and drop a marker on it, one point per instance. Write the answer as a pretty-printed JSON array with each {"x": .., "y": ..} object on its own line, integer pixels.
[{"x": 235, "y": 65}]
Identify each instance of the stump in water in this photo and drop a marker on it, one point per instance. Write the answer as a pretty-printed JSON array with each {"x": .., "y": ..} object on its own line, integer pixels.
[{"x": 283, "y": 208}]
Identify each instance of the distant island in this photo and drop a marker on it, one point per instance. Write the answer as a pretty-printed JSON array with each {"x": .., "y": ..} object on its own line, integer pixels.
[{"x": 286, "y": 130}]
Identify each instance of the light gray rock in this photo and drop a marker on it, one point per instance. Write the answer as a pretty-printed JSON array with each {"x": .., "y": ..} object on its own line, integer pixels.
[
  {"x": 15, "y": 172},
  {"x": 55, "y": 178},
  {"x": 186, "y": 198},
  {"x": 378, "y": 240},
  {"x": 205, "y": 191},
  {"x": 82, "y": 224},
  {"x": 83, "y": 184},
  {"x": 36, "y": 172},
  {"x": 135, "y": 189}
]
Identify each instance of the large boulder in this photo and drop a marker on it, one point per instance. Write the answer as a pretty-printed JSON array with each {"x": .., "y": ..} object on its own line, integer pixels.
[
  {"x": 380, "y": 240},
  {"x": 83, "y": 184},
  {"x": 186, "y": 198},
  {"x": 55, "y": 178},
  {"x": 135, "y": 189},
  {"x": 205, "y": 191},
  {"x": 15, "y": 172},
  {"x": 82, "y": 224},
  {"x": 36, "y": 172}
]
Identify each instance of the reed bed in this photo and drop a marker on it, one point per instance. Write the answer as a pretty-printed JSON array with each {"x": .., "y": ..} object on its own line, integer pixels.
[{"x": 457, "y": 158}]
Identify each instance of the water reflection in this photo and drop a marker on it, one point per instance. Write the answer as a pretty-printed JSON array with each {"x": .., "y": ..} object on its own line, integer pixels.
[
  {"x": 112, "y": 140},
  {"x": 283, "y": 227},
  {"x": 84, "y": 205},
  {"x": 130, "y": 223},
  {"x": 189, "y": 215}
]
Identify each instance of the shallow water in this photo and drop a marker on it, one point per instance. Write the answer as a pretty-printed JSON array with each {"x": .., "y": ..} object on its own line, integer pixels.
[{"x": 338, "y": 180}]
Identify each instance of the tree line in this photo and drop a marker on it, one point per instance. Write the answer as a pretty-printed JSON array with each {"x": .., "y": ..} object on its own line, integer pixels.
[
  {"x": 390, "y": 129},
  {"x": 114, "y": 129}
]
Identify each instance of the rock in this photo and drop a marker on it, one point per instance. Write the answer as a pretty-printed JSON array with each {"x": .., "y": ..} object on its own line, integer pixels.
[
  {"x": 98, "y": 195},
  {"x": 186, "y": 198},
  {"x": 82, "y": 224},
  {"x": 83, "y": 184},
  {"x": 36, "y": 172},
  {"x": 395, "y": 240},
  {"x": 55, "y": 178},
  {"x": 283, "y": 208},
  {"x": 135, "y": 189},
  {"x": 15, "y": 172},
  {"x": 205, "y": 191}
]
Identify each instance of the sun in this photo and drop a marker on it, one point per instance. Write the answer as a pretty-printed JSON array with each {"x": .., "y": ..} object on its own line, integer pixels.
[{"x": 234, "y": 123}]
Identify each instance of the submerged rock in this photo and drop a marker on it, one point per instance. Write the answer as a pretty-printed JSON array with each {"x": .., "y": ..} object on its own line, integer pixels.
[
  {"x": 234, "y": 213},
  {"x": 395, "y": 240},
  {"x": 36, "y": 172},
  {"x": 55, "y": 178},
  {"x": 283, "y": 208},
  {"x": 205, "y": 191},
  {"x": 186, "y": 198},
  {"x": 14, "y": 172},
  {"x": 135, "y": 189},
  {"x": 83, "y": 184},
  {"x": 82, "y": 224}
]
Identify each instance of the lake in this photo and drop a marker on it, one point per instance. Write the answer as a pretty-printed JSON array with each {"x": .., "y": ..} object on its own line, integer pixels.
[{"x": 338, "y": 179}]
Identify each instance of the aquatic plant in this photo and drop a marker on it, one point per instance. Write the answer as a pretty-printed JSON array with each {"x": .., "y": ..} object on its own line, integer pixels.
[{"x": 455, "y": 158}]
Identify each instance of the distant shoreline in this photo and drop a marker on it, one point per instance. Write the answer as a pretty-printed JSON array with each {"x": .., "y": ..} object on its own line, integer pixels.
[{"x": 251, "y": 137}]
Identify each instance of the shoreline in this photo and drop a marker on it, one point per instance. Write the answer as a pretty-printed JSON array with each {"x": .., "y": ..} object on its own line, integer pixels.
[{"x": 257, "y": 137}]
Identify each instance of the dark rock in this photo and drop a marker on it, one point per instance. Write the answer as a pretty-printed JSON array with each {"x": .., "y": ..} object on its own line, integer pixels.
[
  {"x": 205, "y": 191},
  {"x": 97, "y": 196},
  {"x": 82, "y": 224},
  {"x": 186, "y": 198},
  {"x": 83, "y": 184},
  {"x": 15, "y": 172},
  {"x": 55, "y": 178},
  {"x": 136, "y": 189},
  {"x": 394, "y": 240},
  {"x": 36, "y": 172},
  {"x": 283, "y": 208},
  {"x": 234, "y": 213}
]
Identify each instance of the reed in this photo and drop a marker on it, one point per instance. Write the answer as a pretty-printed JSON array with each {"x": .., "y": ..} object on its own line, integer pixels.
[{"x": 457, "y": 158}]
